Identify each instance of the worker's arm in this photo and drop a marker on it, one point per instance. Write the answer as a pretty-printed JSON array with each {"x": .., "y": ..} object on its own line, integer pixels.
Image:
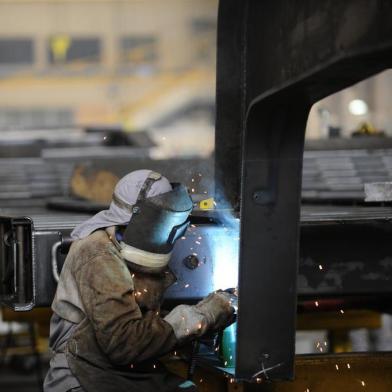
[{"x": 124, "y": 334}]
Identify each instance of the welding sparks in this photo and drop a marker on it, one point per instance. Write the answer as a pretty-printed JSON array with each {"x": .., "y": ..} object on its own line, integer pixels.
[
  {"x": 316, "y": 303},
  {"x": 337, "y": 367},
  {"x": 320, "y": 267},
  {"x": 348, "y": 366},
  {"x": 145, "y": 290},
  {"x": 197, "y": 242},
  {"x": 193, "y": 190},
  {"x": 201, "y": 380},
  {"x": 187, "y": 285},
  {"x": 258, "y": 380},
  {"x": 341, "y": 311},
  {"x": 363, "y": 383}
]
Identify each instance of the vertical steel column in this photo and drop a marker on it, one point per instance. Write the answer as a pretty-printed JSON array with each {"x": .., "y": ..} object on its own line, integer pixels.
[
  {"x": 270, "y": 207},
  {"x": 230, "y": 103}
]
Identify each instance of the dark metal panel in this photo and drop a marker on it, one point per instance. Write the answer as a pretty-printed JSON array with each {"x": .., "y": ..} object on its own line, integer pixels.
[
  {"x": 44, "y": 282},
  {"x": 345, "y": 258},
  {"x": 286, "y": 56}
]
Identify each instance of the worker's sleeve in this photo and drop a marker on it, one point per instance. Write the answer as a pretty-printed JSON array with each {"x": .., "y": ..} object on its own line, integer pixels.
[{"x": 124, "y": 334}]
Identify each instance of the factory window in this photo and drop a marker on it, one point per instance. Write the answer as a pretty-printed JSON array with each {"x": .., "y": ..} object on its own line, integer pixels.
[
  {"x": 202, "y": 25},
  {"x": 204, "y": 35},
  {"x": 136, "y": 51},
  {"x": 64, "y": 49},
  {"x": 16, "y": 51}
]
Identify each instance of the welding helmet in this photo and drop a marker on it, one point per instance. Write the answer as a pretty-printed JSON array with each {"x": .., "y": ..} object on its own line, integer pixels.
[{"x": 155, "y": 224}]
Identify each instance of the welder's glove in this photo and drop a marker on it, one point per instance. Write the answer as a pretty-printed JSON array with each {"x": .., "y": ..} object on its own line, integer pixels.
[
  {"x": 212, "y": 313},
  {"x": 218, "y": 309}
]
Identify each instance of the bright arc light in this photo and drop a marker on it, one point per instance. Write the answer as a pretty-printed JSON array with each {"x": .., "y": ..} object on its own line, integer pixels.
[
  {"x": 224, "y": 247},
  {"x": 358, "y": 107}
]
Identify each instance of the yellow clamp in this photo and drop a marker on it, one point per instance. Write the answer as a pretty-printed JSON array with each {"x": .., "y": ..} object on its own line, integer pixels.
[{"x": 207, "y": 204}]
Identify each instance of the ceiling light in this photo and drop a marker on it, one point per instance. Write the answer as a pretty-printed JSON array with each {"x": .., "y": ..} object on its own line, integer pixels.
[{"x": 358, "y": 107}]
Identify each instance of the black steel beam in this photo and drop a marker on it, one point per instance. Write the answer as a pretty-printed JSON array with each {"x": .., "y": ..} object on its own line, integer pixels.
[{"x": 275, "y": 59}]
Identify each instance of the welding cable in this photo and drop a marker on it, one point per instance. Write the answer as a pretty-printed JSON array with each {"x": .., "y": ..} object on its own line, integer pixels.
[{"x": 193, "y": 359}]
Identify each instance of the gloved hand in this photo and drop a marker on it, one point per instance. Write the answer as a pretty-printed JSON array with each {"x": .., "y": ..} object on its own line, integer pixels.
[
  {"x": 212, "y": 313},
  {"x": 218, "y": 309},
  {"x": 233, "y": 291}
]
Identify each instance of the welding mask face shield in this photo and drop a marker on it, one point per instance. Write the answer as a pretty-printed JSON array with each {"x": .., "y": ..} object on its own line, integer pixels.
[{"x": 156, "y": 224}]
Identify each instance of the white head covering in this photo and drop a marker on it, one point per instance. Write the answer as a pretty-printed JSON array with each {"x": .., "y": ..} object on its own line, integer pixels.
[{"x": 127, "y": 190}]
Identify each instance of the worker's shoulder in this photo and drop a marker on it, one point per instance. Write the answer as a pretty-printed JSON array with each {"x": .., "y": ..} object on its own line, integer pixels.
[
  {"x": 98, "y": 237},
  {"x": 88, "y": 248}
]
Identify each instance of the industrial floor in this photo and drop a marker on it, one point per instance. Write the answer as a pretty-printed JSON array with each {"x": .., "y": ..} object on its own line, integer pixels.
[
  {"x": 327, "y": 373},
  {"x": 19, "y": 378}
]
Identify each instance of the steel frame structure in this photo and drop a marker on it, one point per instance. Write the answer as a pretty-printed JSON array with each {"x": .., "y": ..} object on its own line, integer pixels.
[{"x": 275, "y": 59}]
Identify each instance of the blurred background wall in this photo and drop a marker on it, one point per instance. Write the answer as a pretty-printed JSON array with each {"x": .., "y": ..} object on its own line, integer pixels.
[
  {"x": 103, "y": 61},
  {"x": 137, "y": 64}
]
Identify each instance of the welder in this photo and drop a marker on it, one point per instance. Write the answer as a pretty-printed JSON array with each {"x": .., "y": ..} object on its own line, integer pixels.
[{"x": 107, "y": 331}]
